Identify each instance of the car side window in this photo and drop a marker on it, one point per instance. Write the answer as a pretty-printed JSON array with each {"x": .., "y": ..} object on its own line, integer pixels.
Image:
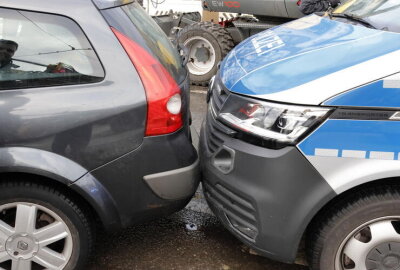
[{"x": 38, "y": 50}]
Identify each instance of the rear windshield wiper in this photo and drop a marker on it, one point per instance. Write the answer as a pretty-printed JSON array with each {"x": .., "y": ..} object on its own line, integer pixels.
[
  {"x": 29, "y": 62},
  {"x": 352, "y": 17}
]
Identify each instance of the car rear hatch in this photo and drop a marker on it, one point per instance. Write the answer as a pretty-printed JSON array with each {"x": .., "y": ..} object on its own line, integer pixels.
[
  {"x": 129, "y": 21},
  {"x": 129, "y": 18}
]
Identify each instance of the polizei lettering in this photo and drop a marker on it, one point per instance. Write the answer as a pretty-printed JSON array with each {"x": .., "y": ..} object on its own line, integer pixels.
[{"x": 266, "y": 42}]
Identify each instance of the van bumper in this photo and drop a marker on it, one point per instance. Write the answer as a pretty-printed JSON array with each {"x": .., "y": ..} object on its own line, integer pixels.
[{"x": 265, "y": 197}]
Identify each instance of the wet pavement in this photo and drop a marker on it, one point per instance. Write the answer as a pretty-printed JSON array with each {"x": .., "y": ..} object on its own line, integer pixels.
[{"x": 191, "y": 239}]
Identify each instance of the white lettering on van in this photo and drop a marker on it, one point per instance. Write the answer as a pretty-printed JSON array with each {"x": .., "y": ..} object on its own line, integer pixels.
[
  {"x": 266, "y": 42},
  {"x": 392, "y": 81}
]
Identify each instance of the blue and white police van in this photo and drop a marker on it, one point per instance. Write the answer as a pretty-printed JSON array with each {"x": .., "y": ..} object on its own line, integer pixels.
[{"x": 302, "y": 139}]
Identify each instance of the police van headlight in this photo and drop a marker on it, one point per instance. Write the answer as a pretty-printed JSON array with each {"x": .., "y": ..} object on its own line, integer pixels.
[{"x": 281, "y": 123}]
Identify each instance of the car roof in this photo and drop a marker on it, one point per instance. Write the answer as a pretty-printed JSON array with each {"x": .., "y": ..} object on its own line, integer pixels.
[{"x": 64, "y": 7}]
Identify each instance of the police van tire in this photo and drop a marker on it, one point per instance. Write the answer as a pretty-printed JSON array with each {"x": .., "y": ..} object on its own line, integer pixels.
[
  {"x": 351, "y": 233},
  {"x": 208, "y": 44}
]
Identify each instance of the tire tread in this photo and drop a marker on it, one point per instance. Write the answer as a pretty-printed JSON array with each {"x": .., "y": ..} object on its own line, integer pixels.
[
  {"x": 317, "y": 233},
  {"x": 79, "y": 209},
  {"x": 223, "y": 37}
]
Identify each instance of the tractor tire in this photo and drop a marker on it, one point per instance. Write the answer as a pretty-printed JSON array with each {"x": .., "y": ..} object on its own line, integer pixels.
[{"x": 208, "y": 44}]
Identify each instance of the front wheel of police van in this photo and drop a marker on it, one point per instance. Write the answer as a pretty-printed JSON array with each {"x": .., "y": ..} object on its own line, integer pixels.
[
  {"x": 42, "y": 228},
  {"x": 360, "y": 232}
]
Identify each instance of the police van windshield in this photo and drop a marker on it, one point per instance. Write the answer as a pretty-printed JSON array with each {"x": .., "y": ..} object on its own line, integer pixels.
[
  {"x": 380, "y": 14},
  {"x": 367, "y": 8}
]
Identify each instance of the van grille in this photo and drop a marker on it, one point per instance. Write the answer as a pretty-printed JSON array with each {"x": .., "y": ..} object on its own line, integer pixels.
[
  {"x": 214, "y": 136},
  {"x": 235, "y": 207},
  {"x": 215, "y": 130},
  {"x": 219, "y": 94}
]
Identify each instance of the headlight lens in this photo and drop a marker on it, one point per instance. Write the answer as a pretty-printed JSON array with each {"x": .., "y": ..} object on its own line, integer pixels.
[{"x": 270, "y": 121}]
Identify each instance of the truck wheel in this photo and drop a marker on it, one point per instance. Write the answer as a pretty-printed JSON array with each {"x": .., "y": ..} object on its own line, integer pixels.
[
  {"x": 360, "y": 233},
  {"x": 41, "y": 228},
  {"x": 208, "y": 44}
]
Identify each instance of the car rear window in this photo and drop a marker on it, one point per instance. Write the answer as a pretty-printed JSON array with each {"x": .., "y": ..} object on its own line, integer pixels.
[
  {"x": 156, "y": 40},
  {"x": 38, "y": 49}
]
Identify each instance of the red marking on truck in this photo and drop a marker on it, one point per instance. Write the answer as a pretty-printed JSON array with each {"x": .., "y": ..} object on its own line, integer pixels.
[{"x": 232, "y": 4}]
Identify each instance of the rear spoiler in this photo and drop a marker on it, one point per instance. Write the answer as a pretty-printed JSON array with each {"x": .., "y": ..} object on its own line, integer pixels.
[{"x": 104, "y": 4}]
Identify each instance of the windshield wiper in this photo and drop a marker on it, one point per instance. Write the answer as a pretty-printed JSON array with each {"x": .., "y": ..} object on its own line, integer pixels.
[
  {"x": 352, "y": 17},
  {"x": 29, "y": 62}
]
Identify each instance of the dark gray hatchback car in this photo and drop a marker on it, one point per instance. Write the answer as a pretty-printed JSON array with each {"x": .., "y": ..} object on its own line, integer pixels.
[{"x": 94, "y": 117}]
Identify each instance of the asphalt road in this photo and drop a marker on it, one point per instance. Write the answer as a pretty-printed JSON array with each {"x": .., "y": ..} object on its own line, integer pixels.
[{"x": 191, "y": 239}]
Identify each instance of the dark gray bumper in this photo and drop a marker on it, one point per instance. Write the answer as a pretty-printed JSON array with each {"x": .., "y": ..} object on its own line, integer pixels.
[
  {"x": 176, "y": 184},
  {"x": 273, "y": 194},
  {"x": 160, "y": 158}
]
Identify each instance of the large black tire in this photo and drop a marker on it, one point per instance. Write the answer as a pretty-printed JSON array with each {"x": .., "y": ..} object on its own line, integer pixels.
[
  {"x": 351, "y": 217},
  {"x": 217, "y": 36},
  {"x": 75, "y": 217}
]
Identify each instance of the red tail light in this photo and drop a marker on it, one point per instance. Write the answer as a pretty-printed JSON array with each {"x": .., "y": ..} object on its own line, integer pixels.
[{"x": 161, "y": 89}]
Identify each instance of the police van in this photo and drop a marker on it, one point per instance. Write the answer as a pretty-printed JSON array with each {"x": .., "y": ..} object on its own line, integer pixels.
[{"x": 302, "y": 139}]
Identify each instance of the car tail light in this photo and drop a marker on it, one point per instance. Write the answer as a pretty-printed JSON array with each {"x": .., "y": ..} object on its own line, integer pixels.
[{"x": 164, "y": 103}]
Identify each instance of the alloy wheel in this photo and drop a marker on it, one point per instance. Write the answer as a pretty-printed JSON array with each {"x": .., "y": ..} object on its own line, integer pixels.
[{"x": 33, "y": 237}]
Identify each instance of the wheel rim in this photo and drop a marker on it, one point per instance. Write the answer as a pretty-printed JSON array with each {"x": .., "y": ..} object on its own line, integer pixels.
[
  {"x": 33, "y": 237},
  {"x": 201, "y": 55},
  {"x": 373, "y": 245}
]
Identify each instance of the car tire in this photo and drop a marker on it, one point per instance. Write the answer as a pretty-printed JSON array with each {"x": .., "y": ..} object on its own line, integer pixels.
[
  {"x": 208, "y": 44},
  {"x": 353, "y": 232},
  {"x": 42, "y": 226}
]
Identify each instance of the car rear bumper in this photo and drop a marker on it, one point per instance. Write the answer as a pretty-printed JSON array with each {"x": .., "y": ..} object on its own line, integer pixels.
[
  {"x": 176, "y": 184},
  {"x": 156, "y": 179},
  {"x": 265, "y": 197}
]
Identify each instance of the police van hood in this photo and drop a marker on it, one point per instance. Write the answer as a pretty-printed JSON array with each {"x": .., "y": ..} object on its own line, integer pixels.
[{"x": 310, "y": 60}]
